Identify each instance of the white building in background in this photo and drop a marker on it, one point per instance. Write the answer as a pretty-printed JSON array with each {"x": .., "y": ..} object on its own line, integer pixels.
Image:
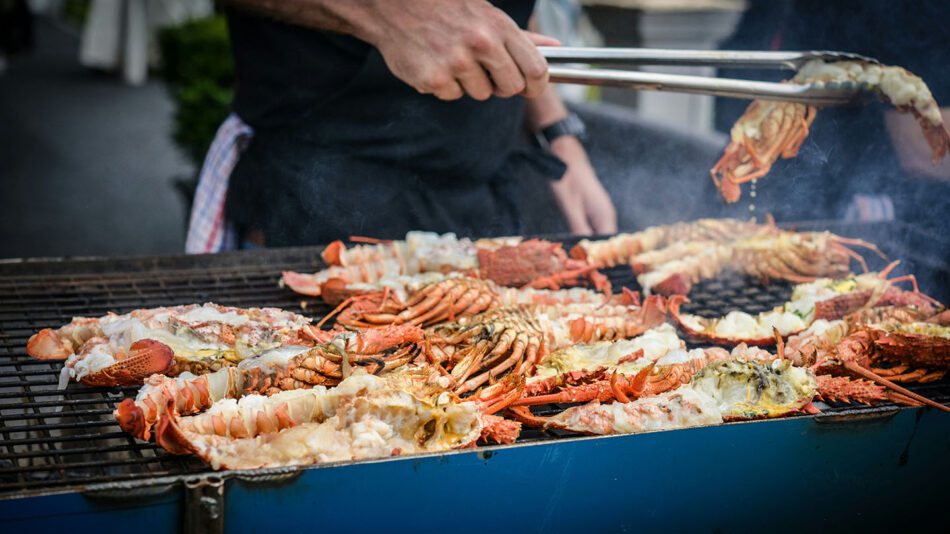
[{"x": 120, "y": 34}]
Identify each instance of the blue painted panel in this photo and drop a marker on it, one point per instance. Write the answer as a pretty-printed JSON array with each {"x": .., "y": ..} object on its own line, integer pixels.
[
  {"x": 791, "y": 475},
  {"x": 778, "y": 476},
  {"x": 75, "y": 513}
]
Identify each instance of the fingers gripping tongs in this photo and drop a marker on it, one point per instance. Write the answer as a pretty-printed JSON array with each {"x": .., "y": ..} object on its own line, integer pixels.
[{"x": 814, "y": 93}]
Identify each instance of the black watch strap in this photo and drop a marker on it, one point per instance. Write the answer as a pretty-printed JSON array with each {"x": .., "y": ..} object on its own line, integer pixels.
[{"x": 570, "y": 125}]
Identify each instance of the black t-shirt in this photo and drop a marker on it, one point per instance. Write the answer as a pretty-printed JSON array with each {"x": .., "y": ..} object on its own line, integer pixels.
[{"x": 343, "y": 147}]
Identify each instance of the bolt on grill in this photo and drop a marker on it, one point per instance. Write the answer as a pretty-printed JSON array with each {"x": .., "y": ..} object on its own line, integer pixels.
[{"x": 54, "y": 440}]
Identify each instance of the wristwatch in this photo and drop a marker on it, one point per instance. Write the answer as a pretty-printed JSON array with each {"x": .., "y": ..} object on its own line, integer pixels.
[{"x": 570, "y": 125}]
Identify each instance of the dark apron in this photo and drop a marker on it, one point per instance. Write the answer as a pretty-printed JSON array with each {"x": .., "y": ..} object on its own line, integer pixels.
[{"x": 342, "y": 147}]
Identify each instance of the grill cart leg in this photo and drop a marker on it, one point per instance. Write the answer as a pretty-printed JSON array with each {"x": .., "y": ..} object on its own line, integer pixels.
[{"x": 204, "y": 505}]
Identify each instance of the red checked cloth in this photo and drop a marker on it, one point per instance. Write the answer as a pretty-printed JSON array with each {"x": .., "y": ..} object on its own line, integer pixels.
[{"x": 208, "y": 230}]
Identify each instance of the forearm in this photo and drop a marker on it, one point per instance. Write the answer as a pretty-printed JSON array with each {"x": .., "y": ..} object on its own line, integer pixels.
[
  {"x": 544, "y": 110},
  {"x": 547, "y": 108},
  {"x": 352, "y": 17}
]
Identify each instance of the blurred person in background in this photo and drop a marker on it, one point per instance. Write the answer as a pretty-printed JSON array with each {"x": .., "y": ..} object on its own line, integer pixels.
[
  {"x": 859, "y": 162},
  {"x": 379, "y": 117}
]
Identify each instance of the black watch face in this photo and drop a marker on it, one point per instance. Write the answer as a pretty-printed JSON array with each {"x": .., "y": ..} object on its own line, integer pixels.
[
  {"x": 571, "y": 125},
  {"x": 575, "y": 125}
]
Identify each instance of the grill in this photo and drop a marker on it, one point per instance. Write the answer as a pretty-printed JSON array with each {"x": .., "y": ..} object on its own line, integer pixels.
[{"x": 55, "y": 441}]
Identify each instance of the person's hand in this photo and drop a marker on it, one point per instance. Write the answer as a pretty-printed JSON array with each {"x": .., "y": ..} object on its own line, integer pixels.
[
  {"x": 580, "y": 195},
  {"x": 451, "y": 48}
]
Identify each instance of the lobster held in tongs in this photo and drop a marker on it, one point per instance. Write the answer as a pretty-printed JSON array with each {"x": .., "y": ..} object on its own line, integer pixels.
[{"x": 780, "y": 116}]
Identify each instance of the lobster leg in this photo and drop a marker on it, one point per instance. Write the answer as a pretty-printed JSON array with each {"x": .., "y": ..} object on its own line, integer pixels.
[
  {"x": 861, "y": 371},
  {"x": 523, "y": 415}
]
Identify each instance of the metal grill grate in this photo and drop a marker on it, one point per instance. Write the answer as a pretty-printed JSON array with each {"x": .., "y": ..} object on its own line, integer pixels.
[{"x": 55, "y": 440}]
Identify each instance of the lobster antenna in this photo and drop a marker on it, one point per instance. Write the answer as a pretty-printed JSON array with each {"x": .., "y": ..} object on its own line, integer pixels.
[
  {"x": 861, "y": 243},
  {"x": 887, "y": 270},
  {"x": 370, "y": 240}
]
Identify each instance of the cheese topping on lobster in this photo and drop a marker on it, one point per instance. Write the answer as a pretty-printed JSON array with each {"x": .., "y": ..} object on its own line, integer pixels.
[
  {"x": 925, "y": 329},
  {"x": 753, "y": 389},
  {"x": 654, "y": 343},
  {"x": 723, "y": 390}
]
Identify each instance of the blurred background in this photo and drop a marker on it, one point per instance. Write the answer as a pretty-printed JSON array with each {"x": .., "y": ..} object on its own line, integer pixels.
[{"x": 107, "y": 108}]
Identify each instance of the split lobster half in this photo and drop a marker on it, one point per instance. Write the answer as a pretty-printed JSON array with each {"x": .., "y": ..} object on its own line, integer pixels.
[
  {"x": 533, "y": 263},
  {"x": 363, "y": 417},
  {"x": 377, "y": 352},
  {"x": 824, "y": 299},
  {"x": 769, "y": 130},
  {"x": 725, "y": 390},
  {"x": 124, "y": 349}
]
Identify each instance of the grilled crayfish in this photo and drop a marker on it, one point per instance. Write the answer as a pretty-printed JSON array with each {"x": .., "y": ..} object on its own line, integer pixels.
[{"x": 769, "y": 129}]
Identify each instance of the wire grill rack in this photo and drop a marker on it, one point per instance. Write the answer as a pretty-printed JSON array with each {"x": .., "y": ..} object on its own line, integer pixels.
[{"x": 53, "y": 440}]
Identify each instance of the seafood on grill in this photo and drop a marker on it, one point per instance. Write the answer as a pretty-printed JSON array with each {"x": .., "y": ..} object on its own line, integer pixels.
[
  {"x": 853, "y": 367},
  {"x": 922, "y": 345},
  {"x": 452, "y": 297},
  {"x": 736, "y": 326},
  {"x": 124, "y": 349},
  {"x": 746, "y": 389},
  {"x": 769, "y": 130},
  {"x": 419, "y": 251},
  {"x": 766, "y": 131},
  {"x": 824, "y": 299},
  {"x": 724, "y": 390},
  {"x": 565, "y": 365},
  {"x": 792, "y": 256},
  {"x": 582, "y": 371},
  {"x": 634, "y": 376},
  {"x": 856, "y": 355},
  {"x": 363, "y": 417},
  {"x": 290, "y": 367},
  {"x": 619, "y": 249},
  {"x": 508, "y": 262},
  {"x": 480, "y": 348}
]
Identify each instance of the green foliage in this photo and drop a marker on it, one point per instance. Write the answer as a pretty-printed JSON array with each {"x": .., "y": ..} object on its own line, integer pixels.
[
  {"x": 76, "y": 11},
  {"x": 199, "y": 70}
]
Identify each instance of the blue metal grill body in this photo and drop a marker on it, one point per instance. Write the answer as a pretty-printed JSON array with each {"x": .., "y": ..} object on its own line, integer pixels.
[
  {"x": 848, "y": 470},
  {"x": 791, "y": 475}
]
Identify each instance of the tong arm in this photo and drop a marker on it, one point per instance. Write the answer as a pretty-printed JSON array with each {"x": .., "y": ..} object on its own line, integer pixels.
[
  {"x": 818, "y": 94},
  {"x": 714, "y": 58}
]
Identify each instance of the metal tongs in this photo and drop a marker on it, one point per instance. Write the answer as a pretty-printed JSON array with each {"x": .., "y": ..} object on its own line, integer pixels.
[{"x": 814, "y": 93}]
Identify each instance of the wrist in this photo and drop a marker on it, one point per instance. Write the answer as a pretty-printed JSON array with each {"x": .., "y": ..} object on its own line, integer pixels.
[
  {"x": 565, "y": 143},
  {"x": 541, "y": 122},
  {"x": 571, "y": 126},
  {"x": 361, "y": 19}
]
